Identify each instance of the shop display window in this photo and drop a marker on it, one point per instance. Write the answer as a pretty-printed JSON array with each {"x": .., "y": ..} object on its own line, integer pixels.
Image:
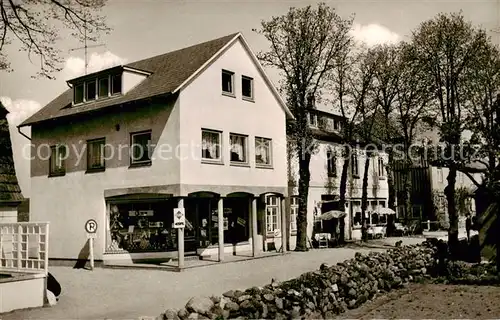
[{"x": 142, "y": 227}]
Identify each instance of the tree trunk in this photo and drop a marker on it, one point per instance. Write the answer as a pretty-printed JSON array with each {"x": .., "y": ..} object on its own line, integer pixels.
[
  {"x": 304, "y": 177},
  {"x": 364, "y": 198},
  {"x": 407, "y": 195},
  {"x": 390, "y": 182},
  {"x": 343, "y": 185},
  {"x": 452, "y": 211}
]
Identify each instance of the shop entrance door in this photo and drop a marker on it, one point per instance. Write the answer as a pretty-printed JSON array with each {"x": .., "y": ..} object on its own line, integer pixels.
[{"x": 190, "y": 234}]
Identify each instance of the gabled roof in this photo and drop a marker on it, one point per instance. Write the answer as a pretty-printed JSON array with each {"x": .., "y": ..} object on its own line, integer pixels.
[
  {"x": 10, "y": 192},
  {"x": 169, "y": 73}
]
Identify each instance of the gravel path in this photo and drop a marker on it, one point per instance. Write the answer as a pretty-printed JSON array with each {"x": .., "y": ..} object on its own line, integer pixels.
[{"x": 133, "y": 293}]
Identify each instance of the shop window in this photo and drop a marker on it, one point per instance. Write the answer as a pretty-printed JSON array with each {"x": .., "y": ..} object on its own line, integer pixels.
[
  {"x": 141, "y": 148},
  {"x": 95, "y": 154},
  {"x": 272, "y": 213},
  {"x": 357, "y": 219},
  {"x": 142, "y": 227},
  {"x": 211, "y": 145},
  {"x": 57, "y": 165},
  {"x": 239, "y": 148},
  {"x": 263, "y": 154},
  {"x": 294, "y": 211}
]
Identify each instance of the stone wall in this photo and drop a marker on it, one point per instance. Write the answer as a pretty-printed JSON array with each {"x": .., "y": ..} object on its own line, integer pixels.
[{"x": 319, "y": 294}]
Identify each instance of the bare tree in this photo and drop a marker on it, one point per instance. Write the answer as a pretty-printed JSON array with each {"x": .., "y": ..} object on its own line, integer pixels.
[
  {"x": 446, "y": 48},
  {"x": 303, "y": 46},
  {"x": 36, "y": 25}
]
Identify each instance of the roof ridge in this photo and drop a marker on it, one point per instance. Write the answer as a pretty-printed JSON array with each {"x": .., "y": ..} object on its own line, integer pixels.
[{"x": 229, "y": 36}]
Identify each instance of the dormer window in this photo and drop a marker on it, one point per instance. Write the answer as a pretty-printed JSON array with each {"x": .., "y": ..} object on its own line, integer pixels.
[
  {"x": 116, "y": 84},
  {"x": 102, "y": 86},
  {"x": 313, "y": 120},
  {"x": 90, "y": 90},
  {"x": 78, "y": 93}
]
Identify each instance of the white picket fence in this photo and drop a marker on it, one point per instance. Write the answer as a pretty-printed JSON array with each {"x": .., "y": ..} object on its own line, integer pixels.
[{"x": 24, "y": 247}]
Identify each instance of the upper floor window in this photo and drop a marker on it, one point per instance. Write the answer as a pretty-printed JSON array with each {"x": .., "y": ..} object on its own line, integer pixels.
[
  {"x": 211, "y": 145},
  {"x": 440, "y": 174},
  {"x": 331, "y": 163},
  {"x": 247, "y": 88},
  {"x": 381, "y": 170},
  {"x": 57, "y": 160},
  {"x": 228, "y": 82},
  {"x": 263, "y": 151},
  {"x": 354, "y": 165},
  {"x": 95, "y": 154},
  {"x": 140, "y": 143},
  {"x": 238, "y": 148},
  {"x": 313, "y": 120},
  {"x": 99, "y": 87}
]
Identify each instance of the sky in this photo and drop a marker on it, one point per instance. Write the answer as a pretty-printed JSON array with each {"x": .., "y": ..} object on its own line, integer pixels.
[{"x": 144, "y": 28}]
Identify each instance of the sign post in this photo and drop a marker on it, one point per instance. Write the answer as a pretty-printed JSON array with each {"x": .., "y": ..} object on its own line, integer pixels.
[
  {"x": 91, "y": 229},
  {"x": 180, "y": 224}
]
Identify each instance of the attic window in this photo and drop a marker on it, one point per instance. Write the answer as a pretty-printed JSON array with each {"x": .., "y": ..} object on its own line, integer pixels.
[
  {"x": 116, "y": 82},
  {"x": 90, "y": 92},
  {"x": 103, "y": 87},
  {"x": 99, "y": 87},
  {"x": 78, "y": 94}
]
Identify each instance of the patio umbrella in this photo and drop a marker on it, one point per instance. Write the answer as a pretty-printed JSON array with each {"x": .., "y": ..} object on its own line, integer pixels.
[
  {"x": 333, "y": 214},
  {"x": 386, "y": 211}
]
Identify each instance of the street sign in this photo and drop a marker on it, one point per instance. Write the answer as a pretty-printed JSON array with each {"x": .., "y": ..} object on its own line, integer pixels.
[
  {"x": 179, "y": 218},
  {"x": 91, "y": 226}
]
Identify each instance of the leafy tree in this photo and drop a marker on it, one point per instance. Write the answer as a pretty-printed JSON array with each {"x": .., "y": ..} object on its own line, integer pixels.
[
  {"x": 340, "y": 84},
  {"x": 36, "y": 25},
  {"x": 413, "y": 109},
  {"x": 362, "y": 86},
  {"x": 386, "y": 80},
  {"x": 446, "y": 49},
  {"x": 303, "y": 46}
]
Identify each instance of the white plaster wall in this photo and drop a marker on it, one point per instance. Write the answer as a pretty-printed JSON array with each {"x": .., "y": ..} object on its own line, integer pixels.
[
  {"x": 130, "y": 80},
  {"x": 204, "y": 106},
  {"x": 462, "y": 180},
  {"x": 67, "y": 202},
  {"x": 8, "y": 214},
  {"x": 24, "y": 294}
]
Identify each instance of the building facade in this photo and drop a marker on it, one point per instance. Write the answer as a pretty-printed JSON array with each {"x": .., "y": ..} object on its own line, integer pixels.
[
  {"x": 200, "y": 128},
  {"x": 326, "y": 170}
]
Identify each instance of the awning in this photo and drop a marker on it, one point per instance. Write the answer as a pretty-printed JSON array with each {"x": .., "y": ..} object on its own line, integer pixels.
[
  {"x": 386, "y": 211},
  {"x": 333, "y": 214}
]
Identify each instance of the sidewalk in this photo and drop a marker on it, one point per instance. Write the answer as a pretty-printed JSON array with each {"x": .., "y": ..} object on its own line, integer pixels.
[{"x": 132, "y": 293}]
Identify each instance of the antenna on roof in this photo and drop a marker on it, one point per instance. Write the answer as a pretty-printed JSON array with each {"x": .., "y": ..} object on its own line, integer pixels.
[{"x": 85, "y": 46}]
